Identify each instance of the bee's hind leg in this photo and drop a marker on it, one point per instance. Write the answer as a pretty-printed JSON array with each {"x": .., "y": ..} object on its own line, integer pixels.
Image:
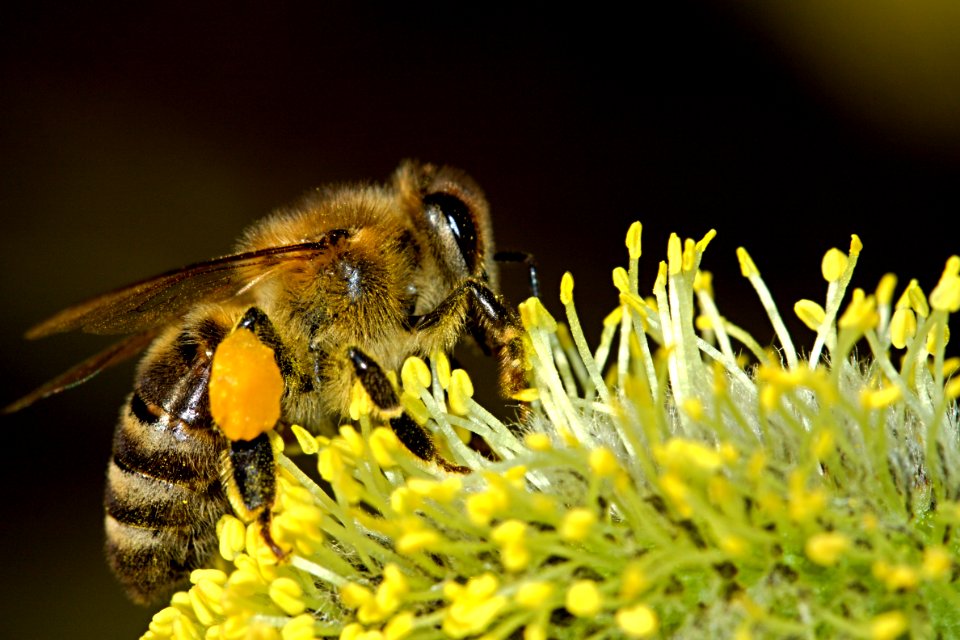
[
  {"x": 250, "y": 466},
  {"x": 251, "y": 481},
  {"x": 412, "y": 435}
]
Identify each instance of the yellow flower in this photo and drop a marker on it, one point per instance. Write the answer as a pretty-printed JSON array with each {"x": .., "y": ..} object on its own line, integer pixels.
[{"x": 673, "y": 455}]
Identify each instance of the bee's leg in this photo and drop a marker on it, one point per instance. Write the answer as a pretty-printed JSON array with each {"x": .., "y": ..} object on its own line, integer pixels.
[
  {"x": 413, "y": 436},
  {"x": 251, "y": 482},
  {"x": 257, "y": 321},
  {"x": 528, "y": 261},
  {"x": 250, "y": 465},
  {"x": 496, "y": 327}
]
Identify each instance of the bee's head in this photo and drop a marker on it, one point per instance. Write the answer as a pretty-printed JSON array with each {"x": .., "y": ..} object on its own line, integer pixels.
[{"x": 453, "y": 215}]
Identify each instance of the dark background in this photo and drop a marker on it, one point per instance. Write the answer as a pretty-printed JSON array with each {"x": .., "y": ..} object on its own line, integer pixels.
[{"x": 139, "y": 139}]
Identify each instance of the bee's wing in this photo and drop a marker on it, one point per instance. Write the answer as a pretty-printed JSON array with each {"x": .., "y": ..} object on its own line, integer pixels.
[
  {"x": 114, "y": 354},
  {"x": 144, "y": 308},
  {"x": 156, "y": 301}
]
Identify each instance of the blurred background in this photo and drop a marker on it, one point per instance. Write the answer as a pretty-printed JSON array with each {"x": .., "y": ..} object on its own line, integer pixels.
[{"x": 138, "y": 138}]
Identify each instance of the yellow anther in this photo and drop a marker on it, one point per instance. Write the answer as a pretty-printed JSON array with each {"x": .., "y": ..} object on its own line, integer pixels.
[
  {"x": 215, "y": 576},
  {"x": 330, "y": 464},
  {"x": 566, "y": 288},
  {"x": 621, "y": 280},
  {"x": 442, "y": 363},
  {"x": 661, "y": 282},
  {"x": 383, "y": 444},
  {"x": 414, "y": 541},
  {"x": 461, "y": 390},
  {"x": 509, "y": 531},
  {"x": 353, "y": 595},
  {"x": 747, "y": 266},
  {"x": 822, "y": 444},
  {"x": 703, "y": 282},
  {"x": 603, "y": 462},
  {"x": 584, "y": 599},
  {"x": 526, "y": 395},
  {"x": 896, "y": 577},
  {"x": 352, "y": 631},
  {"x": 576, "y": 524},
  {"x": 689, "y": 254},
  {"x": 308, "y": 444},
  {"x": 287, "y": 594},
  {"x": 636, "y": 303},
  {"x": 889, "y": 625},
  {"x": 533, "y": 595},
  {"x": 918, "y": 300},
  {"x": 403, "y": 500},
  {"x": 638, "y": 621},
  {"x": 826, "y": 549},
  {"x": 232, "y": 536},
  {"x": 613, "y": 318},
  {"x": 946, "y": 295},
  {"x": 804, "y": 504},
  {"x": 833, "y": 265},
  {"x": 482, "y": 507},
  {"x": 442, "y": 491},
  {"x": 810, "y": 313},
  {"x": 880, "y": 398},
  {"x": 903, "y": 326},
  {"x": 856, "y": 246},
  {"x": 933, "y": 339},
  {"x": 414, "y": 407},
  {"x": 538, "y": 441},
  {"x": 693, "y": 407},
  {"x": 937, "y": 562},
  {"x": 299, "y": 628},
  {"x": 415, "y": 375},
  {"x": 680, "y": 453},
  {"x": 201, "y": 608},
  {"x": 391, "y": 591},
  {"x": 950, "y": 366},
  {"x": 886, "y": 288},
  {"x": 633, "y": 240},
  {"x": 399, "y": 626},
  {"x": 473, "y": 606},
  {"x": 360, "y": 402},
  {"x": 534, "y": 314},
  {"x": 678, "y": 492},
  {"x": 633, "y": 582},
  {"x": 353, "y": 440},
  {"x": 861, "y": 313},
  {"x": 952, "y": 388},
  {"x": 674, "y": 254},
  {"x": 705, "y": 241},
  {"x": 515, "y": 475}
]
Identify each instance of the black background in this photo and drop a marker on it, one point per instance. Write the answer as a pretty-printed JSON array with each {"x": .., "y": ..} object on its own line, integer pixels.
[{"x": 139, "y": 139}]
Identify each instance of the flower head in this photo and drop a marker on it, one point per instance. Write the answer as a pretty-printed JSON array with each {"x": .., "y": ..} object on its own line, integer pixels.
[{"x": 659, "y": 483}]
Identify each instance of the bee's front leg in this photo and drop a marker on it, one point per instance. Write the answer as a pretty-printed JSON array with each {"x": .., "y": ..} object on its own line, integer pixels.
[
  {"x": 495, "y": 326},
  {"x": 412, "y": 435}
]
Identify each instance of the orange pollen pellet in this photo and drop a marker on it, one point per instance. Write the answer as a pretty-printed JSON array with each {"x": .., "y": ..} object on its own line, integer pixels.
[{"x": 245, "y": 386}]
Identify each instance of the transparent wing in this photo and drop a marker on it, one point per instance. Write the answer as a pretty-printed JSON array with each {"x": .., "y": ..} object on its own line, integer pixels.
[
  {"x": 114, "y": 354},
  {"x": 156, "y": 301}
]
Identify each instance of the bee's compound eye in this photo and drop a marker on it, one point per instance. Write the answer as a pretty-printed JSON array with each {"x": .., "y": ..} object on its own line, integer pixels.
[{"x": 443, "y": 208}]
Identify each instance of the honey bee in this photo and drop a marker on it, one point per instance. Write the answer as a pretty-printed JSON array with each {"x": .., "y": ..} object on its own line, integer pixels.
[{"x": 342, "y": 286}]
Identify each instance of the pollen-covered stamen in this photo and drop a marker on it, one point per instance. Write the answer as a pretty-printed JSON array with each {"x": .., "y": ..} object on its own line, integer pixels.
[{"x": 603, "y": 518}]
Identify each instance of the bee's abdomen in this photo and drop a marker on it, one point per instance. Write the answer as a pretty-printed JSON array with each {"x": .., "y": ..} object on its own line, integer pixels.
[{"x": 163, "y": 498}]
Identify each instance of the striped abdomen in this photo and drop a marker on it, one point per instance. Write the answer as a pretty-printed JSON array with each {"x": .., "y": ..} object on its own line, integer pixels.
[{"x": 164, "y": 494}]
